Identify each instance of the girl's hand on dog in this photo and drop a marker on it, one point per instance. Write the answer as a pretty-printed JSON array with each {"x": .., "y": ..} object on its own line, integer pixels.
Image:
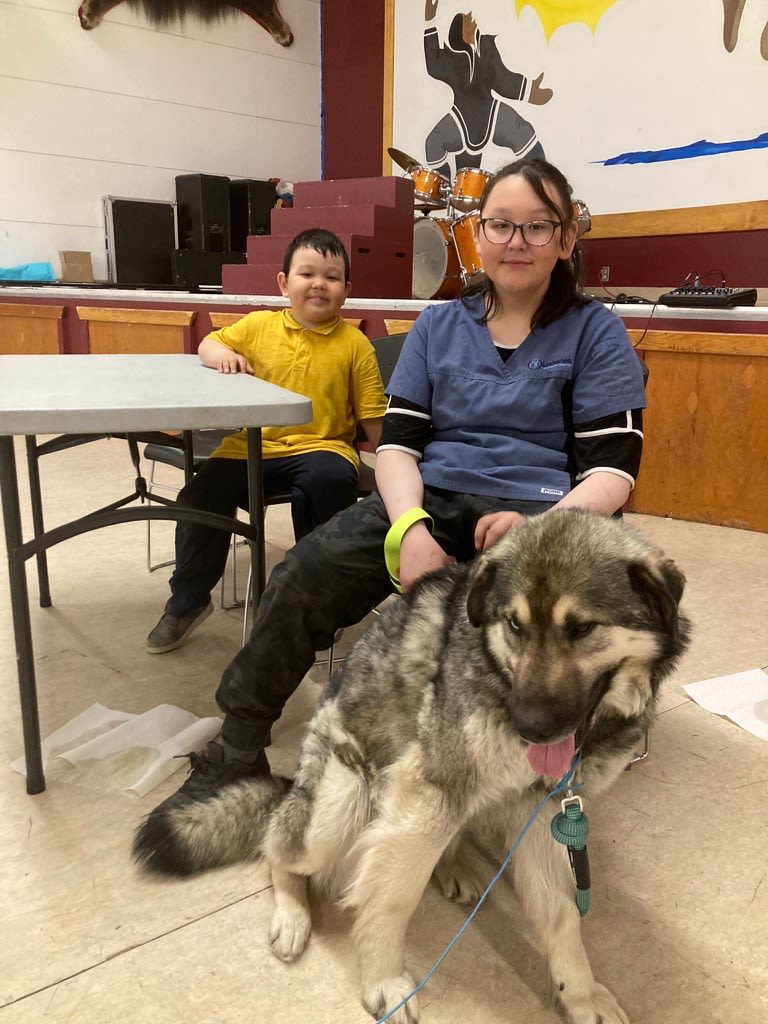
[
  {"x": 419, "y": 554},
  {"x": 493, "y": 526}
]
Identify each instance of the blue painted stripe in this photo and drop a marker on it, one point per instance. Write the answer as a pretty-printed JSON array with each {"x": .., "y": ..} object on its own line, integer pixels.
[{"x": 701, "y": 148}]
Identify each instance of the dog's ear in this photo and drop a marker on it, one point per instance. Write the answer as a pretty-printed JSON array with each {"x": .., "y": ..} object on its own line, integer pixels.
[
  {"x": 661, "y": 587},
  {"x": 481, "y": 576}
]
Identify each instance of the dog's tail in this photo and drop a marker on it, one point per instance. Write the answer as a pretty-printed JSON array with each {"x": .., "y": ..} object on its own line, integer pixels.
[{"x": 194, "y": 836}]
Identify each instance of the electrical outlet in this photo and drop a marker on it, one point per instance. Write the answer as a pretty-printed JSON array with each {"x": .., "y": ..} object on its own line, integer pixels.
[{"x": 605, "y": 274}]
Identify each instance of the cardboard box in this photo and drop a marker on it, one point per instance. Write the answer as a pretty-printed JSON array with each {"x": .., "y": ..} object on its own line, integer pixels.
[{"x": 76, "y": 266}]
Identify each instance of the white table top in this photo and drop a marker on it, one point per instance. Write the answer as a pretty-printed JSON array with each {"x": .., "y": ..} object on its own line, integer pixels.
[{"x": 97, "y": 394}]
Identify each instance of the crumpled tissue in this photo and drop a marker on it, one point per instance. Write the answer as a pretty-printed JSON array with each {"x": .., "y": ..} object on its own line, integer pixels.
[
  {"x": 106, "y": 749},
  {"x": 742, "y": 697}
]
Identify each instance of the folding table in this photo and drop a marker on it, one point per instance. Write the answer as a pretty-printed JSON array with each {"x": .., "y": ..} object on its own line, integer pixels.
[{"x": 128, "y": 395}]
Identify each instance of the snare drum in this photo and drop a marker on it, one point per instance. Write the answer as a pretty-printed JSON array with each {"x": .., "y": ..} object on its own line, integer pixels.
[
  {"x": 468, "y": 187},
  {"x": 429, "y": 188},
  {"x": 463, "y": 232},
  {"x": 436, "y": 273}
]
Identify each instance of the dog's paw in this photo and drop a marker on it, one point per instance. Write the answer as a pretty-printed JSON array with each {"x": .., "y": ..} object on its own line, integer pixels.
[
  {"x": 86, "y": 21},
  {"x": 600, "y": 1007},
  {"x": 289, "y": 933},
  {"x": 381, "y": 997},
  {"x": 459, "y": 883}
]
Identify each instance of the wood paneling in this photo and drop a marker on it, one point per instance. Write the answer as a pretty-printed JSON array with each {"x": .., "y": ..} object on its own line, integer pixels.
[
  {"x": 706, "y": 446},
  {"x": 397, "y": 326},
  {"x": 219, "y": 320},
  {"x": 29, "y": 329},
  {"x": 114, "y": 331},
  {"x": 719, "y": 344},
  {"x": 692, "y": 220}
]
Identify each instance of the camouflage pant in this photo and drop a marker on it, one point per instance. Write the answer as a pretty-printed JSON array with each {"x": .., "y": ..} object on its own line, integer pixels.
[{"x": 330, "y": 579}]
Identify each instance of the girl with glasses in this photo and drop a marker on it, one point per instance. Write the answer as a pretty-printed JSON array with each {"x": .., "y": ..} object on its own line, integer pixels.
[{"x": 517, "y": 397}]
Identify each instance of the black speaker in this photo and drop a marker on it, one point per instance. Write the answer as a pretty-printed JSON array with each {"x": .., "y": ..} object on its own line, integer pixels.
[
  {"x": 140, "y": 239},
  {"x": 202, "y": 210},
  {"x": 249, "y": 204},
  {"x": 194, "y": 270}
]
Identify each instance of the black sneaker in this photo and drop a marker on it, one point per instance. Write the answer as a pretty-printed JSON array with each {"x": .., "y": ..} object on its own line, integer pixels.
[
  {"x": 210, "y": 772},
  {"x": 171, "y": 632}
]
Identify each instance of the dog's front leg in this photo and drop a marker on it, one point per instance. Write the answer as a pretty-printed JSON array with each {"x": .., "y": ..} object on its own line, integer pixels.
[
  {"x": 291, "y": 921},
  {"x": 545, "y": 887},
  {"x": 398, "y": 853}
]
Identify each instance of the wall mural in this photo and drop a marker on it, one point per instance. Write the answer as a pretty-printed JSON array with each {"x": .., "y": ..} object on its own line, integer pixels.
[
  {"x": 470, "y": 64},
  {"x": 635, "y": 126},
  {"x": 164, "y": 12}
]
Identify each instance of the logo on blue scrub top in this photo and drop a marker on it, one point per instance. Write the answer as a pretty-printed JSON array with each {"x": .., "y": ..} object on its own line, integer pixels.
[{"x": 537, "y": 364}]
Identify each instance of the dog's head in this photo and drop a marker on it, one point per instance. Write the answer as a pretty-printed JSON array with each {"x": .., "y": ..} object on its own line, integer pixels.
[{"x": 580, "y": 615}]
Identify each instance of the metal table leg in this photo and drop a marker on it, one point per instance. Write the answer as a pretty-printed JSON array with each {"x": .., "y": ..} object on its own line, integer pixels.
[{"x": 17, "y": 576}]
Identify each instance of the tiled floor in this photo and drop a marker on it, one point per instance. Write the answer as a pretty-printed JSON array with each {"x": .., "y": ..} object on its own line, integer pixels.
[{"x": 679, "y": 849}]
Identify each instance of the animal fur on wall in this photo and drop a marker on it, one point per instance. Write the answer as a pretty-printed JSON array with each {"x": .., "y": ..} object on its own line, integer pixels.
[{"x": 164, "y": 12}]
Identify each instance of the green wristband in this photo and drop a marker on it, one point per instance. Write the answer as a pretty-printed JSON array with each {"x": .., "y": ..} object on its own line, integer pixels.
[{"x": 394, "y": 539}]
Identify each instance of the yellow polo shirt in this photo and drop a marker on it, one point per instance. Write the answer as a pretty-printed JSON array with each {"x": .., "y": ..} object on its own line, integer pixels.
[{"x": 334, "y": 365}]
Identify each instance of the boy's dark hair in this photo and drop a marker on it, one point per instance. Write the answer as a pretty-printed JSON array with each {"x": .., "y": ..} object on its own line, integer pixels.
[
  {"x": 322, "y": 241},
  {"x": 564, "y": 289}
]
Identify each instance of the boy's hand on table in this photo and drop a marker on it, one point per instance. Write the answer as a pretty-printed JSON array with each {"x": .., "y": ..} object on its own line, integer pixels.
[{"x": 233, "y": 364}]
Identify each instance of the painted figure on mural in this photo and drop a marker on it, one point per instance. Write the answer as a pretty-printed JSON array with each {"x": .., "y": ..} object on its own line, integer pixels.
[{"x": 471, "y": 65}]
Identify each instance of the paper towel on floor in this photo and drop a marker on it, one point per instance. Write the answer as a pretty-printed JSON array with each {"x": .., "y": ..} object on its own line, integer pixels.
[
  {"x": 107, "y": 749},
  {"x": 742, "y": 697}
]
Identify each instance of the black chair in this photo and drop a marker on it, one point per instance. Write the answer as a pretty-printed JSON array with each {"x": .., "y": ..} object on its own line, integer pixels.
[
  {"x": 387, "y": 350},
  {"x": 203, "y": 443}
]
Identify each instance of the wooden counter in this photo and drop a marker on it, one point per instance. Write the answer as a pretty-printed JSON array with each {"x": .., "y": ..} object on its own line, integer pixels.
[{"x": 706, "y": 442}]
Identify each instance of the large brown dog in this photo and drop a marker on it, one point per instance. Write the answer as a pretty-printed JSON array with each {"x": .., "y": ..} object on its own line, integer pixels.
[
  {"x": 164, "y": 12},
  {"x": 444, "y": 729}
]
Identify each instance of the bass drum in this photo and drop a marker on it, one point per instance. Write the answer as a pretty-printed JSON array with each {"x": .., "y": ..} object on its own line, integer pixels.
[{"x": 436, "y": 272}]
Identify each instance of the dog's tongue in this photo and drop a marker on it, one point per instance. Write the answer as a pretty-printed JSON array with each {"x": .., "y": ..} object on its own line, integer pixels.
[{"x": 552, "y": 759}]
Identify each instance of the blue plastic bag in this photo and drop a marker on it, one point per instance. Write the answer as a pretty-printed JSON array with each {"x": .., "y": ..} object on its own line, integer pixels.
[{"x": 28, "y": 272}]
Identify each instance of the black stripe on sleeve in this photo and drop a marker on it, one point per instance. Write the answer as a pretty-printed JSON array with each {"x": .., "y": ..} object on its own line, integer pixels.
[
  {"x": 612, "y": 444},
  {"x": 406, "y": 426}
]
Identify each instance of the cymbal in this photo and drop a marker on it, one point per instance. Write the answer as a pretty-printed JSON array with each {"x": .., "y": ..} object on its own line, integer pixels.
[{"x": 408, "y": 163}]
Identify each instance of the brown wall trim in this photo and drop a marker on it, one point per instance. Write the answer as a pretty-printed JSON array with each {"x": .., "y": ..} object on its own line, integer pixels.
[
  {"x": 24, "y": 309},
  {"x": 692, "y": 220},
  {"x": 388, "y": 84},
  {"x": 162, "y": 317},
  {"x": 695, "y": 342}
]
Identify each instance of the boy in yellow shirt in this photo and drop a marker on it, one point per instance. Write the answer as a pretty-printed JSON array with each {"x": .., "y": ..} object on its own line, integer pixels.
[{"x": 308, "y": 349}]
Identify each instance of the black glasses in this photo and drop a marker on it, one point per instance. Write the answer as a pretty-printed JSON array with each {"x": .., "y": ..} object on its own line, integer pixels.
[{"x": 534, "y": 232}]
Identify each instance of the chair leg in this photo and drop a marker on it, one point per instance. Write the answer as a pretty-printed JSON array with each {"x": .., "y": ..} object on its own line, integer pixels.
[
  {"x": 159, "y": 565},
  {"x": 332, "y": 662},
  {"x": 643, "y": 754},
  {"x": 236, "y": 601}
]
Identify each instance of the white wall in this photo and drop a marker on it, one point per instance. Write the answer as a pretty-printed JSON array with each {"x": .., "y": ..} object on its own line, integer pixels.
[
  {"x": 123, "y": 109},
  {"x": 652, "y": 75}
]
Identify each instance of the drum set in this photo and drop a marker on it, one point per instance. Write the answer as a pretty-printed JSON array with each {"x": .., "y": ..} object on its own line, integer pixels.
[{"x": 445, "y": 255}]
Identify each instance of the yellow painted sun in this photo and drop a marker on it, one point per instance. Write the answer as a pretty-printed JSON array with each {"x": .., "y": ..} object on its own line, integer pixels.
[{"x": 554, "y": 13}]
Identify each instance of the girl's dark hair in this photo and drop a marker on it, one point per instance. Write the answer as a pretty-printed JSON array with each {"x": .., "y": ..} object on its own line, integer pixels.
[
  {"x": 564, "y": 289},
  {"x": 322, "y": 241}
]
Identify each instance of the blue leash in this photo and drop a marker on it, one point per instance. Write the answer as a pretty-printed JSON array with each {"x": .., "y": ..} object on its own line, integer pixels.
[{"x": 563, "y": 784}]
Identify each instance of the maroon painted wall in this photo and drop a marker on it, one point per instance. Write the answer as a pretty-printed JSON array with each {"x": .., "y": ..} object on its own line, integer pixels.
[
  {"x": 736, "y": 258},
  {"x": 352, "y": 55}
]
